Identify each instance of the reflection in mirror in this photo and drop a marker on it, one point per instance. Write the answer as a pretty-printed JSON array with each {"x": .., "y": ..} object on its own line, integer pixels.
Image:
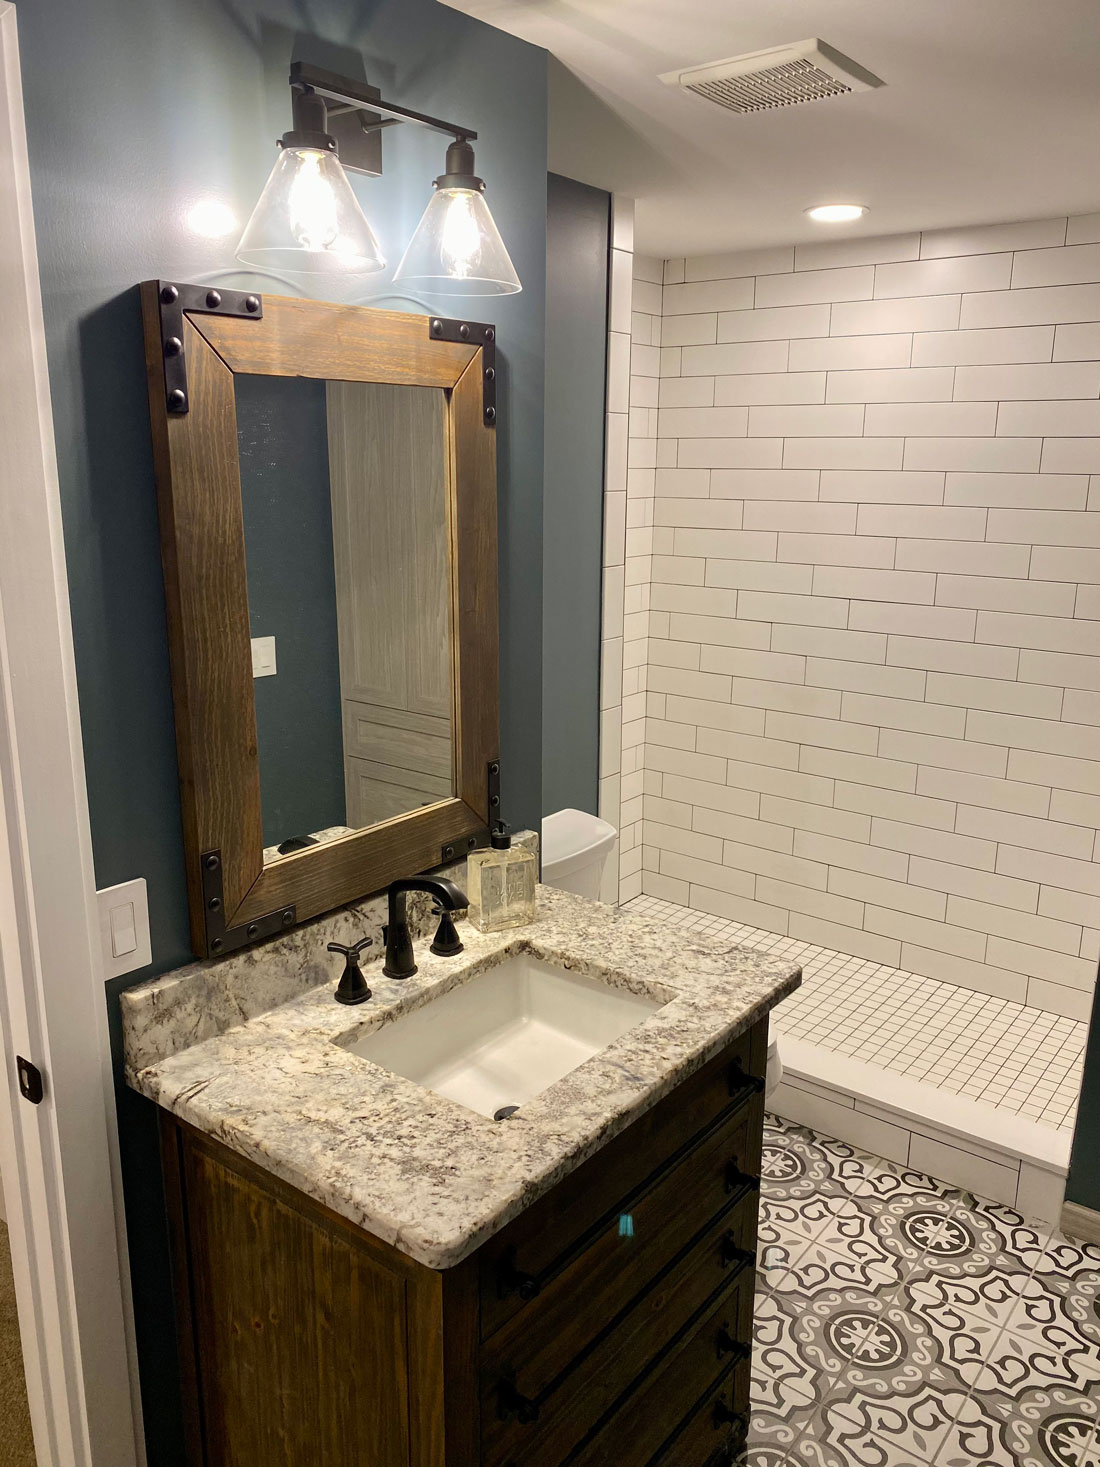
[{"x": 349, "y": 595}]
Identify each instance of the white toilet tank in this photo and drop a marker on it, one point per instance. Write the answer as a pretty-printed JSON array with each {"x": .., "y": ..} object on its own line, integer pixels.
[{"x": 575, "y": 848}]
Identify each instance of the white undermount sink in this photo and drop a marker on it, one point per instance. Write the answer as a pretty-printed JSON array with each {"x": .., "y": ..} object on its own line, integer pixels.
[{"x": 506, "y": 1034}]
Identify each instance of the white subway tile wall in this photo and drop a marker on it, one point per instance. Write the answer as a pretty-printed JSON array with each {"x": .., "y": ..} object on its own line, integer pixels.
[
  {"x": 625, "y": 328},
  {"x": 861, "y": 586},
  {"x": 646, "y": 543}
]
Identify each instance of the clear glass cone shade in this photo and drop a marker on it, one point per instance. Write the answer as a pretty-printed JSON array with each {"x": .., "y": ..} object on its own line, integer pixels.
[
  {"x": 457, "y": 249},
  {"x": 308, "y": 219}
]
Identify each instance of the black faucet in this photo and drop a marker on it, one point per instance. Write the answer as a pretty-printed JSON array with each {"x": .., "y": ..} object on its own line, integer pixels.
[
  {"x": 400, "y": 958},
  {"x": 353, "y": 986}
]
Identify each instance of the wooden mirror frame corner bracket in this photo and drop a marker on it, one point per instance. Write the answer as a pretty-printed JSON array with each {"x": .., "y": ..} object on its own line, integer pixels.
[{"x": 206, "y": 591}]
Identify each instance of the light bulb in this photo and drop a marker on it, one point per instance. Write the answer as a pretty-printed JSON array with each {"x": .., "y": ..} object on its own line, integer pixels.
[
  {"x": 311, "y": 207},
  {"x": 460, "y": 246}
]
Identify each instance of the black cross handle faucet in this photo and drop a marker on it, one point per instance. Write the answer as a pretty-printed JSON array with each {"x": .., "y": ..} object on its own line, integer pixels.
[{"x": 353, "y": 986}]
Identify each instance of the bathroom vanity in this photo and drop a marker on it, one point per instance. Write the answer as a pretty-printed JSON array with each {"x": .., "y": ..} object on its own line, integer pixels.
[
  {"x": 369, "y": 1271},
  {"x": 503, "y": 1212}
]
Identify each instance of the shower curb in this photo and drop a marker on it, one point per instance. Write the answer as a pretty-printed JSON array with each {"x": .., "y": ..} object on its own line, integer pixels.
[{"x": 994, "y": 1153}]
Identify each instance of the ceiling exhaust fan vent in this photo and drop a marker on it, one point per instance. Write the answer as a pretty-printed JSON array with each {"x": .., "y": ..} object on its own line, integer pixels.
[{"x": 781, "y": 76}]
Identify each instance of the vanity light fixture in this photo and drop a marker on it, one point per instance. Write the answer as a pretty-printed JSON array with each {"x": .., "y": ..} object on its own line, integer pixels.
[
  {"x": 308, "y": 218},
  {"x": 457, "y": 248},
  {"x": 837, "y": 213}
]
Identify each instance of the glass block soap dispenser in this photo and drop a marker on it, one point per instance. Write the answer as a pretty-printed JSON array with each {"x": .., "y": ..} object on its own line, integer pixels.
[{"x": 501, "y": 883}]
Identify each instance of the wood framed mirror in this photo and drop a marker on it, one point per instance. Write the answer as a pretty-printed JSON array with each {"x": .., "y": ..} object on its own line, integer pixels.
[{"x": 326, "y": 482}]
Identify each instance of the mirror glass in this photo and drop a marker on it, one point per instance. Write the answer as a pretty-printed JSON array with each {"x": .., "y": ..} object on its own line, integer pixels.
[{"x": 349, "y": 594}]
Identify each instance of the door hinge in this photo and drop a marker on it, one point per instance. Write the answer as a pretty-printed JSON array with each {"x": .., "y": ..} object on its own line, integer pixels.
[{"x": 30, "y": 1080}]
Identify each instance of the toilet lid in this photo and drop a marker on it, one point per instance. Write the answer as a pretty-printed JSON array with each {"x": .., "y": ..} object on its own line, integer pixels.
[{"x": 573, "y": 838}]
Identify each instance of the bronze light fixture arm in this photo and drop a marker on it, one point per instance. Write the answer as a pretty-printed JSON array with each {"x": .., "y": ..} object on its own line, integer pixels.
[{"x": 346, "y": 95}]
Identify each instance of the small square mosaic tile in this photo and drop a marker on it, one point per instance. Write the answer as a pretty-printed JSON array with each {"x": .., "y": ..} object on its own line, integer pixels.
[
  {"x": 989, "y": 1049},
  {"x": 904, "y": 1323}
]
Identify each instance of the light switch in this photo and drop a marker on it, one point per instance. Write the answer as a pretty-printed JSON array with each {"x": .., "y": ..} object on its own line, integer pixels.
[
  {"x": 263, "y": 657},
  {"x": 124, "y": 927}
]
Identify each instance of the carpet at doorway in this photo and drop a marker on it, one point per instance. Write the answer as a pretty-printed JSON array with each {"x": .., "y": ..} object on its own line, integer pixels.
[{"x": 16, "y": 1444}]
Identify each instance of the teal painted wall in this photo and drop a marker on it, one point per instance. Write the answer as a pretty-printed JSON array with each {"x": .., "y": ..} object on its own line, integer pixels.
[
  {"x": 136, "y": 112},
  {"x": 1083, "y": 1183},
  {"x": 578, "y": 222}
]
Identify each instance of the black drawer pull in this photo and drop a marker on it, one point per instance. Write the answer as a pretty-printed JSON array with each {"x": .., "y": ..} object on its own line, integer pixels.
[
  {"x": 739, "y": 1181},
  {"x": 742, "y": 1083},
  {"x": 513, "y": 1280},
  {"x": 727, "y": 1345},
  {"x": 725, "y": 1415},
  {"x": 734, "y": 1256},
  {"x": 513, "y": 1403}
]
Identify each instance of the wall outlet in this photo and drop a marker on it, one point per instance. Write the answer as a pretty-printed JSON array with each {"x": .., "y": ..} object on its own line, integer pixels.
[
  {"x": 263, "y": 657},
  {"x": 124, "y": 927}
]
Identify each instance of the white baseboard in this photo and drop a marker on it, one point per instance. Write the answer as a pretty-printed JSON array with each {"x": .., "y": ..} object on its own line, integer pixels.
[{"x": 1081, "y": 1222}]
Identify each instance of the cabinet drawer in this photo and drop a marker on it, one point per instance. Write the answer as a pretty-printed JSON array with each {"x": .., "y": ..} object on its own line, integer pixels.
[
  {"x": 715, "y": 1267},
  {"x": 663, "y": 1419},
  {"x": 717, "y": 1178},
  {"x": 715, "y": 1432},
  {"x": 526, "y": 1257}
]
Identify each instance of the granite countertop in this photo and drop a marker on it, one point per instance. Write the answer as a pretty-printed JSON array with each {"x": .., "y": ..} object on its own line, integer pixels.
[{"x": 417, "y": 1170}]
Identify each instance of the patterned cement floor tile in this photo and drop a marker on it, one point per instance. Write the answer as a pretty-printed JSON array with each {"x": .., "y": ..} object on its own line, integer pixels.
[
  {"x": 777, "y": 1247},
  {"x": 1049, "y": 1356},
  {"x": 897, "y": 1232},
  {"x": 1003, "y": 1228},
  {"x": 855, "y": 1430},
  {"x": 986, "y": 1287},
  {"x": 798, "y": 1163},
  {"x": 903, "y": 1323},
  {"x": 1035, "y": 1427},
  {"x": 816, "y": 1269}
]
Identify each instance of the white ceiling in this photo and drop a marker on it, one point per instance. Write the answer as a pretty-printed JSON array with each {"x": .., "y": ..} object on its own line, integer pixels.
[{"x": 991, "y": 112}]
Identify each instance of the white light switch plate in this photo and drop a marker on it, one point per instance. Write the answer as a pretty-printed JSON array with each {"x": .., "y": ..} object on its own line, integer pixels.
[
  {"x": 124, "y": 927},
  {"x": 263, "y": 656}
]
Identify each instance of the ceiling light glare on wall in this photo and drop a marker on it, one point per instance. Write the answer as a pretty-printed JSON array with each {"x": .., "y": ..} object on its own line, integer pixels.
[
  {"x": 837, "y": 213},
  {"x": 211, "y": 219}
]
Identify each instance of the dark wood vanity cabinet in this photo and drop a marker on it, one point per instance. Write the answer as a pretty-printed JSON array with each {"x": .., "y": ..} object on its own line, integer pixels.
[{"x": 609, "y": 1325}]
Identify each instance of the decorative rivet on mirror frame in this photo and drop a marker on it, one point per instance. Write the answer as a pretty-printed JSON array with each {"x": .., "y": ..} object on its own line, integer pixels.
[
  {"x": 221, "y": 939},
  {"x": 463, "y": 331},
  {"x": 175, "y": 301},
  {"x": 453, "y": 850}
]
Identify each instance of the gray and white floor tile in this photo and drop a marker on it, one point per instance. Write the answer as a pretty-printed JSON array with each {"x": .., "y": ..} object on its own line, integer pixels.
[{"x": 902, "y": 1323}]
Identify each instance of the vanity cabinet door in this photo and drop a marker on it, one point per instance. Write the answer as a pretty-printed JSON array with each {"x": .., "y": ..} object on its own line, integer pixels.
[{"x": 299, "y": 1334}]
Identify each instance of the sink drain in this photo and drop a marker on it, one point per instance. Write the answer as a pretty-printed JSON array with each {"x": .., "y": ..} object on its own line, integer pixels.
[{"x": 504, "y": 1112}]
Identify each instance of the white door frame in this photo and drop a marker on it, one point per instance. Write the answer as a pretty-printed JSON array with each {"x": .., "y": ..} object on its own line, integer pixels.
[{"x": 59, "y": 1159}]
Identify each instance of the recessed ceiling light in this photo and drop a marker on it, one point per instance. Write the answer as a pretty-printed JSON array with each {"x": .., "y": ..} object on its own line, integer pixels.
[{"x": 836, "y": 213}]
